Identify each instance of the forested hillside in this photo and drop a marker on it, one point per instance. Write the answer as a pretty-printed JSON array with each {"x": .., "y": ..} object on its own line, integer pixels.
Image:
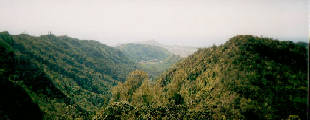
[
  {"x": 182, "y": 51},
  {"x": 144, "y": 52},
  {"x": 150, "y": 58},
  {"x": 57, "y": 76},
  {"x": 248, "y": 77},
  {"x": 15, "y": 103}
]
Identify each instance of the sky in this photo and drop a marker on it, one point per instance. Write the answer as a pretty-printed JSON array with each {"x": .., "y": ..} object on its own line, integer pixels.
[{"x": 172, "y": 22}]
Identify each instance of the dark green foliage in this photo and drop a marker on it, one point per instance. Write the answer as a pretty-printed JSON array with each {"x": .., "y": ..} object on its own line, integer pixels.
[
  {"x": 67, "y": 78},
  {"x": 15, "y": 103},
  {"x": 177, "y": 98},
  {"x": 125, "y": 111},
  {"x": 117, "y": 111}
]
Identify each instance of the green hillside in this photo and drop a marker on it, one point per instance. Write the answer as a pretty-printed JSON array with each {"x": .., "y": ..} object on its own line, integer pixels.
[
  {"x": 152, "y": 59},
  {"x": 15, "y": 103},
  {"x": 144, "y": 52},
  {"x": 182, "y": 51},
  {"x": 58, "y": 77},
  {"x": 64, "y": 77},
  {"x": 154, "y": 69},
  {"x": 248, "y": 77}
]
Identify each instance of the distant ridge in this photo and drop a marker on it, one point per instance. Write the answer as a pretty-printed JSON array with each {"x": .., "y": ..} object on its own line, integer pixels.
[
  {"x": 183, "y": 51},
  {"x": 150, "y": 58}
]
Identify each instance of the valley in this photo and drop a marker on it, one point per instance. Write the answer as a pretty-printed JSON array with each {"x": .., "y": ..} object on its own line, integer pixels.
[{"x": 59, "y": 77}]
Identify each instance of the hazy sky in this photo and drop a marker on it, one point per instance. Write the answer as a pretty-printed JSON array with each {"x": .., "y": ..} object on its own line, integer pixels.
[{"x": 180, "y": 22}]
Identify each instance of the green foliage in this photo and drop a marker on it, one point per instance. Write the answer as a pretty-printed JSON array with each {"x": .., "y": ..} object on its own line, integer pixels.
[
  {"x": 67, "y": 78},
  {"x": 248, "y": 77},
  {"x": 152, "y": 59},
  {"x": 144, "y": 52},
  {"x": 126, "y": 111},
  {"x": 124, "y": 91},
  {"x": 15, "y": 103},
  {"x": 154, "y": 69},
  {"x": 59, "y": 77}
]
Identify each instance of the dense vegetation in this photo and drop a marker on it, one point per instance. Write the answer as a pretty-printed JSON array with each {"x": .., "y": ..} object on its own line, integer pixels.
[
  {"x": 248, "y": 77},
  {"x": 150, "y": 58},
  {"x": 15, "y": 102},
  {"x": 59, "y": 77},
  {"x": 144, "y": 52},
  {"x": 154, "y": 69},
  {"x": 182, "y": 51}
]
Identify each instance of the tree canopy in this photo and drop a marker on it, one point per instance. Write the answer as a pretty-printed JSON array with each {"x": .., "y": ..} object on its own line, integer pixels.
[
  {"x": 248, "y": 77},
  {"x": 65, "y": 77}
]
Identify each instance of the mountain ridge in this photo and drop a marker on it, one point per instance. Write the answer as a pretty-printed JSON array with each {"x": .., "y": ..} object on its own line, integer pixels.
[
  {"x": 248, "y": 77},
  {"x": 81, "y": 71},
  {"x": 182, "y": 51},
  {"x": 59, "y": 77}
]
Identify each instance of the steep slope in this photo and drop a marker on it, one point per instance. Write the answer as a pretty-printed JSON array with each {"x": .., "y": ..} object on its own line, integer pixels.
[
  {"x": 248, "y": 77},
  {"x": 67, "y": 78},
  {"x": 15, "y": 103},
  {"x": 152, "y": 59}
]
